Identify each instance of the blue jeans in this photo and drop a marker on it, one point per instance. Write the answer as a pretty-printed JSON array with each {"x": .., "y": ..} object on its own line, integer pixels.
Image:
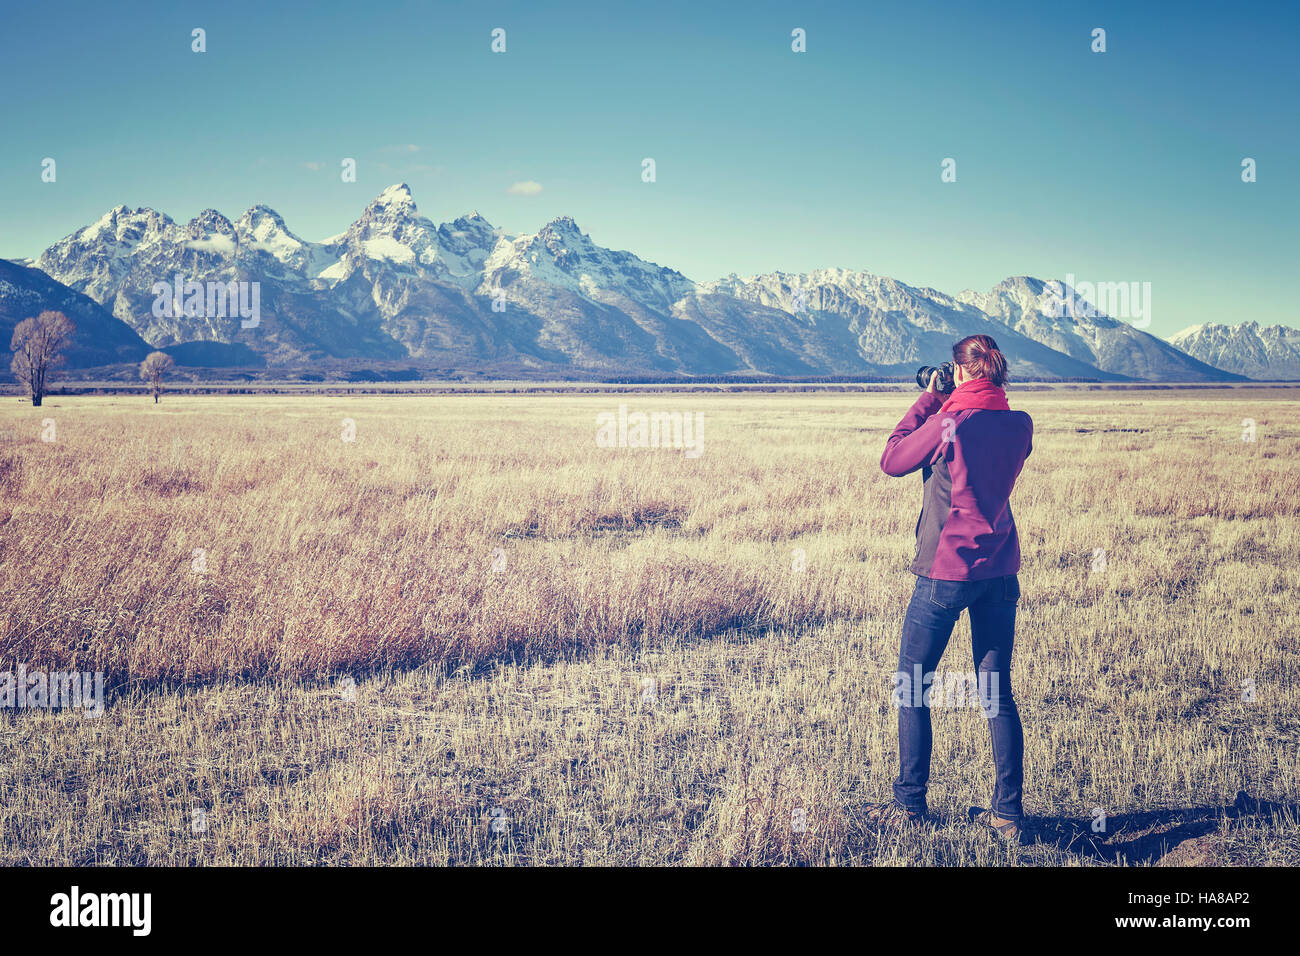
[{"x": 928, "y": 624}]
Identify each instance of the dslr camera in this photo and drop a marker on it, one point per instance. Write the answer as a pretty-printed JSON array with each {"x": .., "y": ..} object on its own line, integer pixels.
[{"x": 945, "y": 382}]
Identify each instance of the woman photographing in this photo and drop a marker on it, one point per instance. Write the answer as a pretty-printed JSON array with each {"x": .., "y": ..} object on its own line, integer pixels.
[{"x": 969, "y": 447}]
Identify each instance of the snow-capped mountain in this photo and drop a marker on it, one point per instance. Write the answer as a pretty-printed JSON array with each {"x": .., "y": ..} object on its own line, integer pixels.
[
  {"x": 1052, "y": 314},
  {"x": 1265, "y": 353},
  {"x": 391, "y": 230},
  {"x": 600, "y": 307},
  {"x": 395, "y": 286},
  {"x": 561, "y": 255},
  {"x": 118, "y": 260},
  {"x": 886, "y": 323},
  {"x": 260, "y": 230},
  {"x": 97, "y": 259}
]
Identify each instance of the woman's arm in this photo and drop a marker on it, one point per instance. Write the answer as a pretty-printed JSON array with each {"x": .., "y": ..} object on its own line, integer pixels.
[{"x": 917, "y": 438}]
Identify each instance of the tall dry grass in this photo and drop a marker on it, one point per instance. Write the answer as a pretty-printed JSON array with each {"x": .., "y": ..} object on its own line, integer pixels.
[
  {"x": 323, "y": 555},
  {"x": 519, "y": 689}
]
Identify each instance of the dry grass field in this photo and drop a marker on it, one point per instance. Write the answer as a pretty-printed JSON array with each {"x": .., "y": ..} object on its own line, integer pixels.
[{"x": 470, "y": 635}]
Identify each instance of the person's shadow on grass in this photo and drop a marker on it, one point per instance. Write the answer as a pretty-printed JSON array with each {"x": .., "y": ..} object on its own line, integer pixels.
[{"x": 1158, "y": 836}]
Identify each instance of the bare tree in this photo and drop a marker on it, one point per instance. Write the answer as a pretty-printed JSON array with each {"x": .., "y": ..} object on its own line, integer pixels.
[
  {"x": 38, "y": 347},
  {"x": 155, "y": 366}
]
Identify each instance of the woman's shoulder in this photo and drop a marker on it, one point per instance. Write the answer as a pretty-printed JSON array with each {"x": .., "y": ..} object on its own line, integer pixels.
[
  {"x": 1015, "y": 417},
  {"x": 1006, "y": 415}
]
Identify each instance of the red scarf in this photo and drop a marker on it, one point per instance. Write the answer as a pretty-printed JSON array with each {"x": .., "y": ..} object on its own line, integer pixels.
[{"x": 977, "y": 393}]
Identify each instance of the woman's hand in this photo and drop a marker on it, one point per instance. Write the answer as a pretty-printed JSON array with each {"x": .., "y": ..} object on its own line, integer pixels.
[{"x": 934, "y": 380}]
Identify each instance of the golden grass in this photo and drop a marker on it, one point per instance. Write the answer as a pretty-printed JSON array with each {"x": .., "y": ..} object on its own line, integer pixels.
[{"x": 515, "y": 696}]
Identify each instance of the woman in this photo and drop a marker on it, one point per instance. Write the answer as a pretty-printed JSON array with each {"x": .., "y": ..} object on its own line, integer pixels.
[{"x": 969, "y": 449}]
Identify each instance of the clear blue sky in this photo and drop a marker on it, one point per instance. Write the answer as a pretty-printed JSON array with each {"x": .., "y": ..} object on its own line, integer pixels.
[{"x": 1122, "y": 166}]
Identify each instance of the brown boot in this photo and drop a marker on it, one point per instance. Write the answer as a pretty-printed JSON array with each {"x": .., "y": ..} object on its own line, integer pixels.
[{"x": 1009, "y": 830}]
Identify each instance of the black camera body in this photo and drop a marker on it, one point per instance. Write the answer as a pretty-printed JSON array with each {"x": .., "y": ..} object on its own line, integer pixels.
[{"x": 945, "y": 382}]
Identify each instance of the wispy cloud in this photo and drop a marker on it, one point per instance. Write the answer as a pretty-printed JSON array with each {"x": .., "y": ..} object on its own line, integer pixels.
[
  {"x": 527, "y": 187},
  {"x": 313, "y": 166}
]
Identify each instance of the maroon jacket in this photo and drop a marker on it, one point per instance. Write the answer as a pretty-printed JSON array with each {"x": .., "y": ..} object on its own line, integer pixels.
[{"x": 969, "y": 462}]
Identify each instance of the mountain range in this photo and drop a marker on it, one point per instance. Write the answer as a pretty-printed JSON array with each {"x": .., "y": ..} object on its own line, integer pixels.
[
  {"x": 1269, "y": 353},
  {"x": 464, "y": 296}
]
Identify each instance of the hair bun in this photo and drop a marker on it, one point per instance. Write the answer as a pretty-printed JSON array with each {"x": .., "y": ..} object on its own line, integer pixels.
[{"x": 980, "y": 355}]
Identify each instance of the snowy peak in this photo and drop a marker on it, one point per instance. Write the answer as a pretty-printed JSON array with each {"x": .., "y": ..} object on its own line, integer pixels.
[
  {"x": 471, "y": 226},
  {"x": 561, "y": 255},
  {"x": 263, "y": 227},
  {"x": 1020, "y": 299},
  {"x": 565, "y": 242},
  {"x": 1266, "y": 353},
  {"x": 394, "y": 202},
  {"x": 1191, "y": 331},
  {"x": 261, "y": 219},
  {"x": 209, "y": 222},
  {"x": 390, "y": 230},
  {"x": 465, "y": 243},
  {"x": 392, "y": 235},
  {"x": 392, "y": 211},
  {"x": 1023, "y": 284},
  {"x": 96, "y": 259},
  {"x": 212, "y": 233},
  {"x": 563, "y": 227},
  {"x": 123, "y": 225},
  {"x": 262, "y": 230},
  {"x": 1024, "y": 292},
  {"x": 830, "y": 290}
]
